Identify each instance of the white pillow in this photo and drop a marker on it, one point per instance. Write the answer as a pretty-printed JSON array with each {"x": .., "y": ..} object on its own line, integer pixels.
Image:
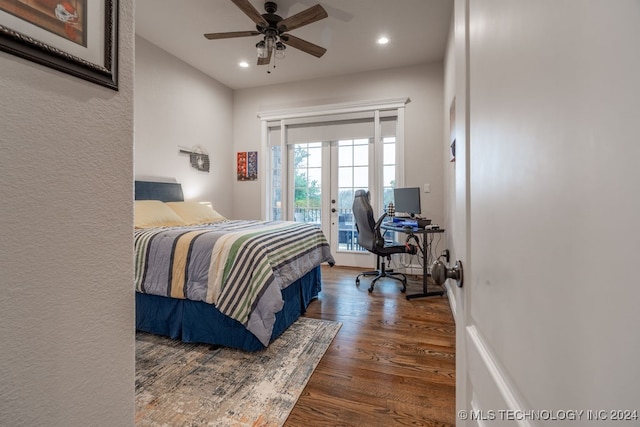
[
  {"x": 154, "y": 213},
  {"x": 194, "y": 213}
]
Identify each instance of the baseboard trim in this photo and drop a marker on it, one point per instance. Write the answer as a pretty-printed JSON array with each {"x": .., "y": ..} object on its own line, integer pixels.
[
  {"x": 453, "y": 302},
  {"x": 502, "y": 382}
]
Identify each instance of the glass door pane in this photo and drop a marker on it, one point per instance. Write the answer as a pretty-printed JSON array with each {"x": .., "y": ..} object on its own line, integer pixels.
[
  {"x": 388, "y": 169},
  {"x": 353, "y": 174},
  {"x": 307, "y": 177},
  {"x": 276, "y": 184}
]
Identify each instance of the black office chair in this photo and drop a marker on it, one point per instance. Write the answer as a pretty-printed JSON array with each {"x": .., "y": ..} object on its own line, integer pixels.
[{"x": 370, "y": 238}]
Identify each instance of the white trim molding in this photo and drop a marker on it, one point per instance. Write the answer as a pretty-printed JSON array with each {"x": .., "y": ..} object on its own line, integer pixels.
[
  {"x": 342, "y": 108},
  {"x": 500, "y": 379},
  {"x": 283, "y": 118}
]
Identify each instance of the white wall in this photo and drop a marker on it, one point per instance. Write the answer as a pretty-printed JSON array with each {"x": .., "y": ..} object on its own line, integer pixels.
[
  {"x": 423, "y": 124},
  {"x": 179, "y": 106},
  {"x": 66, "y": 306},
  {"x": 555, "y": 236}
]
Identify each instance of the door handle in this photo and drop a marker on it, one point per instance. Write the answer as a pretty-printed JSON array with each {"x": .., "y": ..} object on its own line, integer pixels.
[{"x": 440, "y": 273}]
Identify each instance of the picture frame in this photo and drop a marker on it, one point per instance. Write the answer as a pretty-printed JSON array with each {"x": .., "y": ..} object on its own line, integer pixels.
[
  {"x": 247, "y": 165},
  {"x": 77, "y": 37}
]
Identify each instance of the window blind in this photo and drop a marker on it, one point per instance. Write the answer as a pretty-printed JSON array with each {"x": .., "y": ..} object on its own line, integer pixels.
[{"x": 333, "y": 128}]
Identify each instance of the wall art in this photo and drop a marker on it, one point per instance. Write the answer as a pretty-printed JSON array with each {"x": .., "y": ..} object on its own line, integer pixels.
[
  {"x": 78, "y": 37},
  {"x": 247, "y": 166},
  {"x": 198, "y": 158}
]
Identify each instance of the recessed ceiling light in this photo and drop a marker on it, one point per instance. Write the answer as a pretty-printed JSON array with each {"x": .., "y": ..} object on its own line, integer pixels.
[
  {"x": 383, "y": 40},
  {"x": 243, "y": 64}
]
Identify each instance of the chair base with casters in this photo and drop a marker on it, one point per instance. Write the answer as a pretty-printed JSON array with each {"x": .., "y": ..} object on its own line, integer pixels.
[{"x": 383, "y": 272}]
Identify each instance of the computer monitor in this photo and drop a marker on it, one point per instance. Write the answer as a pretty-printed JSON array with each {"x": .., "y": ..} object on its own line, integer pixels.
[{"x": 407, "y": 200}]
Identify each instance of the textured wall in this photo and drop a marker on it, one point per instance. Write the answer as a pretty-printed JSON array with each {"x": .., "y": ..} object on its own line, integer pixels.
[{"x": 66, "y": 306}]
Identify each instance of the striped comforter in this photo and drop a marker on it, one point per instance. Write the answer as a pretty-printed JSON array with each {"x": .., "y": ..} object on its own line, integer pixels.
[{"x": 239, "y": 266}]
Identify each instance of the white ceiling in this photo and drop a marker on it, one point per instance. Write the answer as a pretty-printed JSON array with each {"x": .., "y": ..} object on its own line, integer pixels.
[{"x": 418, "y": 31}]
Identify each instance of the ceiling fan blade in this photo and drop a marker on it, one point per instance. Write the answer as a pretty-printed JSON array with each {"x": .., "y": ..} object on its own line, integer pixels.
[
  {"x": 267, "y": 60},
  {"x": 251, "y": 12},
  {"x": 303, "y": 45},
  {"x": 307, "y": 16},
  {"x": 232, "y": 34}
]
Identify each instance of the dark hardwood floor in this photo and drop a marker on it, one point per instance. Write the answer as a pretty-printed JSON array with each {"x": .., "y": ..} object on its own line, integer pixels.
[{"x": 392, "y": 363}]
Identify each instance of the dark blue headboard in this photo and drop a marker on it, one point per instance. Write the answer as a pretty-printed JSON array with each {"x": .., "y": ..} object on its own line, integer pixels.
[{"x": 163, "y": 191}]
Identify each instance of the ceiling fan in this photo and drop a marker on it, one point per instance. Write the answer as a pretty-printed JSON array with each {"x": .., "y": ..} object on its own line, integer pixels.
[{"x": 274, "y": 30}]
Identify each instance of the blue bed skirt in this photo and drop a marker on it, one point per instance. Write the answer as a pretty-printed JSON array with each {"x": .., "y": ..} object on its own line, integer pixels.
[{"x": 196, "y": 321}]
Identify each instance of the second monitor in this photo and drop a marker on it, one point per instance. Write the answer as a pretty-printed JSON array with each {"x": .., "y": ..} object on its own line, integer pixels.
[{"x": 407, "y": 200}]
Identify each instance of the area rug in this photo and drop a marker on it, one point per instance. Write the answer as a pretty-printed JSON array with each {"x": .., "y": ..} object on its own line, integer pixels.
[{"x": 180, "y": 384}]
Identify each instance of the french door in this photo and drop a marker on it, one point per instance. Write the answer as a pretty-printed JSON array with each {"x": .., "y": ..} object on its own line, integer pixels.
[
  {"x": 322, "y": 181},
  {"x": 319, "y": 157}
]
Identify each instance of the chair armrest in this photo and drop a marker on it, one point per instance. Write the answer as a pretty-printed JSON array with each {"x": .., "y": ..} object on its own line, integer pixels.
[
  {"x": 378, "y": 235},
  {"x": 379, "y": 222}
]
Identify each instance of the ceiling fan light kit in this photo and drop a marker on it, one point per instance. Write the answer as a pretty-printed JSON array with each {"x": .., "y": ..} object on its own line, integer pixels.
[
  {"x": 274, "y": 30},
  {"x": 280, "y": 47},
  {"x": 261, "y": 47}
]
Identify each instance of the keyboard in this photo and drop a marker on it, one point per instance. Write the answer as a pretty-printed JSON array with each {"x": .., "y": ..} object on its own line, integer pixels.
[{"x": 406, "y": 222}]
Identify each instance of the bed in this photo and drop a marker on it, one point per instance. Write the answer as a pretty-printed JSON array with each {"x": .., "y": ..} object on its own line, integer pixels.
[{"x": 200, "y": 277}]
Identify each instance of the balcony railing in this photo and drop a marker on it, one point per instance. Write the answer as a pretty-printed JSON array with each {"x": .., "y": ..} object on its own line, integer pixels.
[{"x": 347, "y": 232}]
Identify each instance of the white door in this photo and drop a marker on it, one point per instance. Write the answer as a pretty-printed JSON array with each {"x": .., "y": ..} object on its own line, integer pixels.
[
  {"x": 323, "y": 179},
  {"x": 350, "y": 171},
  {"x": 547, "y": 222},
  {"x": 481, "y": 392},
  {"x": 482, "y": 389}
]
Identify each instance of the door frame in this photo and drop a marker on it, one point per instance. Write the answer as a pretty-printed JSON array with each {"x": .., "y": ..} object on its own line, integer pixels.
[
  {"x": 280, "y": 119},
  {"x": 461, "y": 227}
]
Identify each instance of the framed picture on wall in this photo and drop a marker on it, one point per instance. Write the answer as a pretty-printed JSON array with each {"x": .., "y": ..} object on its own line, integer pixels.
[
  {"x": 247, "y": 165},
  {"x": 78, "y": 37}
]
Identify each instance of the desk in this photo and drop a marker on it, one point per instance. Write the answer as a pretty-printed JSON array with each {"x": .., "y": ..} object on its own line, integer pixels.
[{"x": 390, "y": 226}]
